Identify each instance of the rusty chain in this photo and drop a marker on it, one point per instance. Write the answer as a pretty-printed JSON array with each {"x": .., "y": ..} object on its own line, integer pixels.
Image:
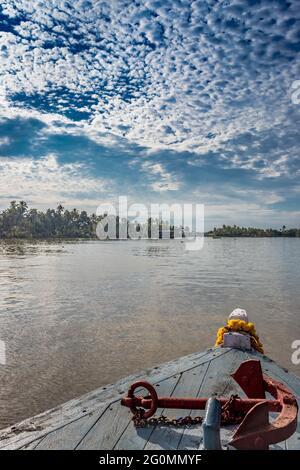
[{"x": 229, "y": 415}]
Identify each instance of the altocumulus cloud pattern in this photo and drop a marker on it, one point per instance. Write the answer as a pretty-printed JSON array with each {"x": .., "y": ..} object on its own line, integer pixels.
[{"x": 157, "y": 98}]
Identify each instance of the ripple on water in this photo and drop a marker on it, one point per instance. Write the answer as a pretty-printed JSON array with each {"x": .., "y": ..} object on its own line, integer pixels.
[{"x": 71, "y": 312}]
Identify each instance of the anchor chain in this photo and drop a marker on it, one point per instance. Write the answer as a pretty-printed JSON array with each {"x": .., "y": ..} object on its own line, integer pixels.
[
  {"x": 229, "y": 415},
  {"x": 251, "y": 414}
]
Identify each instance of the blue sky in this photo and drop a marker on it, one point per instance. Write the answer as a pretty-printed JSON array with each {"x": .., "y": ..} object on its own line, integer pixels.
[{"x": 160, "y": 100}]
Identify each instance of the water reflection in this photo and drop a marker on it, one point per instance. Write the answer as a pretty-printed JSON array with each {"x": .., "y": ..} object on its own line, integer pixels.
[
  {"x": 159, "y": 250},
  {"x": 20, "y": 248},
  {"x": 75, "y": 316}
]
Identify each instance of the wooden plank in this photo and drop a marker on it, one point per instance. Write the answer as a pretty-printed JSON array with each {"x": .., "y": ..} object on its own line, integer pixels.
[
  {"x": 230, "y": 388},
  {"x": 105, "y": 434},
  {"x": 136, "y": 438},
  {"x": 34, "y": 428},
  {"x": 217, "y": 381},
  {"x": 32, "y": 445},
  {"x": 187, "y": 385},
  {"x": 31, "y": 433},
  {"x": 69, "y": 436},
  {"x": 165, "y": 437},
  {"x": 133, "y": 438},
  {"x": 293, "y": 443}
]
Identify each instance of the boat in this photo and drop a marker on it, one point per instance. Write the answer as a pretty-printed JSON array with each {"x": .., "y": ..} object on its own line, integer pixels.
[{"x": 104, "y": 420}]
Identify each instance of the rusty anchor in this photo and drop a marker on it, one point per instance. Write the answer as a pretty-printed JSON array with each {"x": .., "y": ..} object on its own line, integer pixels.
[{"x": 255, "y": 430}]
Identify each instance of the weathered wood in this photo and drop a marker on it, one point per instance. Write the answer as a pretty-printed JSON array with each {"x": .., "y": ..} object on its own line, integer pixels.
[
  {"x": 112, "y": 424},
  {"x": 32, "y": 445},
  {"x": 164, "y": 437},
  {"x": 135, "y": 438},
  {"x": 217, "y": 382},
  {"x": 108, "y": 430},
  {"x": 98, "y": 421},
  {"x": 69, "y": 436},
  {"x": 28, "y": 430}
]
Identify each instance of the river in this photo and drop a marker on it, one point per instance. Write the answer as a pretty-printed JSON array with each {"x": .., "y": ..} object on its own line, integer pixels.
[{"x": 78, "y": 315}]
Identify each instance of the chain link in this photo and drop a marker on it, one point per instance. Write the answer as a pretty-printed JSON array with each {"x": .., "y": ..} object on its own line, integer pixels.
[{"x": 229, "y": 415}]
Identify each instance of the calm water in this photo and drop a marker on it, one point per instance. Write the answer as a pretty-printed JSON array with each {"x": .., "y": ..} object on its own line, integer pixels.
[{"x": 75, "y": 316}]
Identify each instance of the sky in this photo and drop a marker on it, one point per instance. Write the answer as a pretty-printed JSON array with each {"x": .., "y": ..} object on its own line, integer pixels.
[{"x": 164, "y": 101}]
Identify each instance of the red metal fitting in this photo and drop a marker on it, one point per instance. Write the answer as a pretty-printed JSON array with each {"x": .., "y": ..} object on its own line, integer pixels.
[
  {"x": 255, "y": 430},
  {"x": 132, "y": 402}
]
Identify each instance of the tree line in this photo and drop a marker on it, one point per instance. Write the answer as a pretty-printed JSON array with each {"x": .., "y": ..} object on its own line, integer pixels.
[
  {"x": 19, "y": 221},
  {"x": 236, "y": 231}
]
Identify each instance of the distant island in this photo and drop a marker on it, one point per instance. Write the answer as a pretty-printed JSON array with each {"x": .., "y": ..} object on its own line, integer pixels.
[
  {"x": 18, "y": 221},
  {"x": 236, "y": 231}
]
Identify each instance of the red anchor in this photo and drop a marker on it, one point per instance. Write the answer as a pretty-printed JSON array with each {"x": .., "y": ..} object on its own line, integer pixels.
[{"x": 255, "y": 431}]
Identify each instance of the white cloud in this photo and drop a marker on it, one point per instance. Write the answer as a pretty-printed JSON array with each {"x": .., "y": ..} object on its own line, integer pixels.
[
  {"x": 168, "y": 72},
  {"x": 183, "y": 75},
  {"x": 48, "y": 182},
  {"x": 163, "y": 180}
]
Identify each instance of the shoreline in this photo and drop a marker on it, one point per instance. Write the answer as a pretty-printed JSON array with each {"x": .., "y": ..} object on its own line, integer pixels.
[{"x": 70, "y": 239}]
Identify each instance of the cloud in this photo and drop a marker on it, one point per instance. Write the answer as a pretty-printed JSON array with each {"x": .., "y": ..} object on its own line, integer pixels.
[
  {"x": 161, "y": 73},
  {"x": 163, "y": 180},
  {"x": 196, "y": 93},
  {"x": 46, "y": 182},
  {"x": 47, "y": 168}
]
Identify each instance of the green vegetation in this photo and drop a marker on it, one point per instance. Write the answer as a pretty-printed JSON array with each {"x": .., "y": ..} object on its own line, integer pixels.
[
  {"x": 236, "y": 231},
  {"x": 18, "y": 221}
]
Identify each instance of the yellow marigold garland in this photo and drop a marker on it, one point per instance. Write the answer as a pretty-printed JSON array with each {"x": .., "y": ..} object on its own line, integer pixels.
[{"x": 240, "y": 326}]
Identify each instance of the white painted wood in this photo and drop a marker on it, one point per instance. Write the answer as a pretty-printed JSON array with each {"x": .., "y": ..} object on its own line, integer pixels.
[
  {"x": 69, "y": 436},
  {"x": 15, "y": 437},
  {"x": 136, "y": 438},
  {"x": 217, "y": 381},
  {"x": 98, "y": 421},
  {"x": 237, "y": 340},
  {"x": 32, "y": 445},
  {"x": 188, "y": 386},
  {"x": 107, "y": 432}
]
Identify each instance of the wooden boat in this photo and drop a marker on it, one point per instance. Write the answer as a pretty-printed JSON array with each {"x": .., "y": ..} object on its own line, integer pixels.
[
  {"x": 98, "y": 421},
  {"x": 234, "y": 384}
]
